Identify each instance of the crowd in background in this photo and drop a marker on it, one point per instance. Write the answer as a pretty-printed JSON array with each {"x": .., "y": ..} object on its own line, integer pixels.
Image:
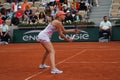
[{"x": 21, "y": 11}]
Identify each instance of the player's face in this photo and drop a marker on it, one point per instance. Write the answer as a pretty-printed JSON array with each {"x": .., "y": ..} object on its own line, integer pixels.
[{"x": 62, "y": 17}]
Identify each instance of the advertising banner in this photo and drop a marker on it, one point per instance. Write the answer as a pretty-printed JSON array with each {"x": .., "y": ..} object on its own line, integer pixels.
[
  {"x": 25, "y": 35},
  {"x": 115, "y": 33},
  {"x": 88, "y": 34}
]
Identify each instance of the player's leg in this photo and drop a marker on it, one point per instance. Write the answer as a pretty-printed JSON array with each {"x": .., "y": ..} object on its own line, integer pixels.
[
  {"x": 50, "y": 50},
  {"x": 43, "y": 65},
  {"x": 45, "y": 42},
  {"x": 44, "y": 56}
]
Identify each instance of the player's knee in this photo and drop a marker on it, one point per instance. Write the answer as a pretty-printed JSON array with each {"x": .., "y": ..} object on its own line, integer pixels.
[
  {"x": 51, "y": 51},
  {"x": 46, "y": 52}
]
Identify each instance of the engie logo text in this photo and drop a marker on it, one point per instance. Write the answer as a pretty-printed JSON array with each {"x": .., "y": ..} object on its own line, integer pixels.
[
  {"x": 30, "y": 35},
  {"x": 83, "y": 35}
]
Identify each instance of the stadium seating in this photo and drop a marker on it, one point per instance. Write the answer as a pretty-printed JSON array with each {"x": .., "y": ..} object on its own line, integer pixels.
[
  {"x": 116, "y": 1},
  {"x": 115, "y": 10}
]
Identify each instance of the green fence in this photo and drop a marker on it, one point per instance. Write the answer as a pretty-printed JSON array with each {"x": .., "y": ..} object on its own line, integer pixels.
[
  {"x": 25, "y": 35},
  {"x": 29, "y": 35},
  {"x": 116, "y": 33},
  {"x": 88, "y": 34}
]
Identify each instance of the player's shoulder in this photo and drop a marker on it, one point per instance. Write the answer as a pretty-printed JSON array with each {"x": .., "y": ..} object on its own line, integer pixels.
[{"x": 56, "y": 22}]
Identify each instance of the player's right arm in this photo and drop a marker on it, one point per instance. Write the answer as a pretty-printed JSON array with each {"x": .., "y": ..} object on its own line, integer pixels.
[{"x": 59, "y": 26}]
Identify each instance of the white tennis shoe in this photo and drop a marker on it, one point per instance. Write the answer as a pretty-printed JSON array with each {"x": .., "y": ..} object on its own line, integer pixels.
[
  {"x": 56, "y": 71},
  {"x": 43, "y": 66}
]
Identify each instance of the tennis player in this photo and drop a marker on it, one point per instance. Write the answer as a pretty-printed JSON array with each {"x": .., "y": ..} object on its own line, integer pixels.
[{"x": 44, "y": 38}]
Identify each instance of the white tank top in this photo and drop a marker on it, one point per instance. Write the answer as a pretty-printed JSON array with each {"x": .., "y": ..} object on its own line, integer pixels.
[{"x": 49, "y": 30}]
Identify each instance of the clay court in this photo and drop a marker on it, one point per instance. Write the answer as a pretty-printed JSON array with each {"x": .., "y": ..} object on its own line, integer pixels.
[{"x": 78, "y": 60}]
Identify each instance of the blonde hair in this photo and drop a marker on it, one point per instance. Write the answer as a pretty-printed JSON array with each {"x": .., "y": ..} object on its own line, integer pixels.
[{"x": 58, "y": 13}]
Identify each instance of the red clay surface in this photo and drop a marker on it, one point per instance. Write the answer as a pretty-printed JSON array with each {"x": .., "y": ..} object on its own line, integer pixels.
[{"x": 78, "y": 60}]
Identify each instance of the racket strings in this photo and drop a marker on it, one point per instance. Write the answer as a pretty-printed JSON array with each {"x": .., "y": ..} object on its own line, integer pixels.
[{"x": 80, "y": 28}]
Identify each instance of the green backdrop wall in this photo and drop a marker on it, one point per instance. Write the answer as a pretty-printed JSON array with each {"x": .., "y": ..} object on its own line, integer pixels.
[
  {"x": 87, "y": 34},
  {"x": 29, "y": 35}
]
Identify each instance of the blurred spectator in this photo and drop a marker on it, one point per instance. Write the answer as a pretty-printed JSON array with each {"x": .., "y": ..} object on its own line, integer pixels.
[
  {"x": 64, "y": 7},
  {"x": 77, "y": 17},
  {"x": 1, "y": 4},
  {"x": 9, "y": 1},
  {"x": 4, "y": 33},
  {"x": 33, "y": 4},
  {"x": 72, "y": 10},
  {"x": 1, "y": 18},
  {"x": 3, "y": 11},
  {"x": 42, "y": 17},
  {"x": 87, "y": 4},
  {"x": 51, "y": 3},
  {"x": 89, "y": 1},
  {"x": 4, "y": 17},
  {"x": 19, "y": 14},
  {"x": 27, "y": 14},
  {"x": 14, "y": 6},
  {"x": 10, "y": 14},
  {"x": 69, "y": 17},
  {"x": 64, "y": 1},
  {"x": 15, "y": 20},
  {"x": 43, "y": 4},
  {"x": 75, "y": 4},
  {"x": 33, "y": 18},
  {"x": 96, "y": 2},
  {"x": 53, "y": 12},
  {"x": 58, "y": 4},
  {"x": 82, "y": 6},
  {"x": 24, "y": 4},
  {"x": 105, "y": 27},
  {"x": 48, "y": 11},
  {"x": 16, "y": 0},
  {"x": 49, "y": 19}
]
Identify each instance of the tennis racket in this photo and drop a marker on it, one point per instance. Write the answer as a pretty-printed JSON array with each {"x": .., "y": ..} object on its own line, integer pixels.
[{"x": 79, "y": 28}]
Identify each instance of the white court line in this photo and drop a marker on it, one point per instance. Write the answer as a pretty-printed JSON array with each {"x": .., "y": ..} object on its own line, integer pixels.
[
  {"x": 87, "y": 62},
  {"x": 56, "y": 64}
]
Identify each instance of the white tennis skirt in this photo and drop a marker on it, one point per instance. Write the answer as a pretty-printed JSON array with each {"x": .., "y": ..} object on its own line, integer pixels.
[{"x": 43, "y": 37}]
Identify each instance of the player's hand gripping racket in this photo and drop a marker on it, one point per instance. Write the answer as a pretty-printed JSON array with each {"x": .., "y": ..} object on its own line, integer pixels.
[{"x": 78, "y": 29}]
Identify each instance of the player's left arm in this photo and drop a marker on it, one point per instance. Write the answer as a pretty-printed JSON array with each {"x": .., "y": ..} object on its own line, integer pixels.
[
  {"x": 58, "y": 25},
  {"x": 69, "y": 30}
]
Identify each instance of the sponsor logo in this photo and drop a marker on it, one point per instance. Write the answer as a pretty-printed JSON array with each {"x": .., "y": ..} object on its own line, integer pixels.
[
  {"x": 83, "y": 35},
  {"x": 32, "y": 31},
  {"x": 30, "y": 35}
]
